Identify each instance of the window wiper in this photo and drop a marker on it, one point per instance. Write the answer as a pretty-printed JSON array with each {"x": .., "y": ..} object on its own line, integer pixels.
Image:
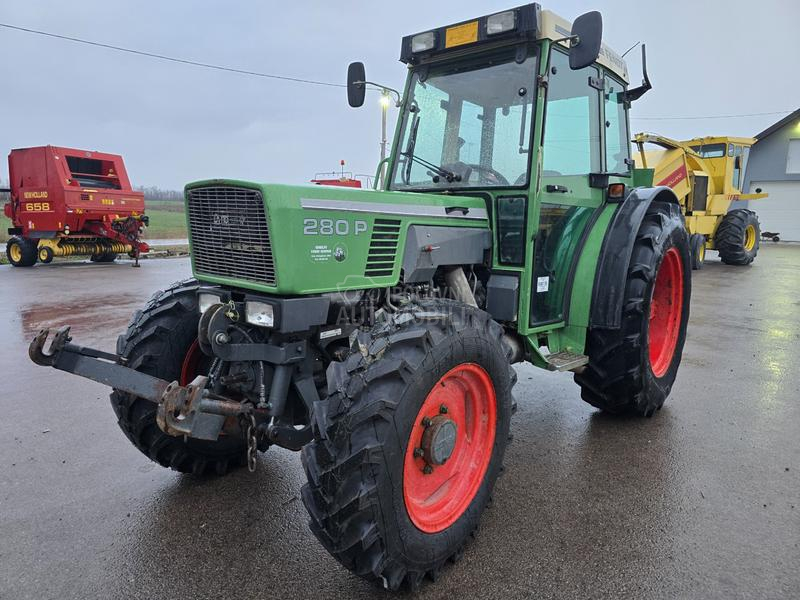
[
  {"x": 410, "y": 157},
  {"x": 412, "y": 142},
  {"x": 440, "y": 171}
]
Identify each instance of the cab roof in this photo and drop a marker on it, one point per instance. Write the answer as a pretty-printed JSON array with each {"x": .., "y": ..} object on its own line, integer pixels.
[{"x": 529, "y": 23}]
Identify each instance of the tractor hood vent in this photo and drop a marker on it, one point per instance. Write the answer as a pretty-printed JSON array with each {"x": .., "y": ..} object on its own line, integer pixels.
[{"x": 382, "y": 248}]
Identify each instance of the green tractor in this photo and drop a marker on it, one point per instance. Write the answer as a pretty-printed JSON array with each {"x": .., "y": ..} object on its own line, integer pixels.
[{"x": 375, "y": 330}]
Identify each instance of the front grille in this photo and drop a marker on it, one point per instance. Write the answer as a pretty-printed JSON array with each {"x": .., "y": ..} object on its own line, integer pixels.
[{"x": 230, "y": 235}]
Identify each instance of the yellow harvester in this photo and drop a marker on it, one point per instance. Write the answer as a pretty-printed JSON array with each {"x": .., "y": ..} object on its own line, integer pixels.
[{"x": 707, "y": 175}]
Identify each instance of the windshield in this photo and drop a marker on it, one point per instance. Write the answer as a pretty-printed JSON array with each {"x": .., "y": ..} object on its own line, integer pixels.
[
  {"x": 710, "y": 150},
  {"x": 467, "y": 126}
]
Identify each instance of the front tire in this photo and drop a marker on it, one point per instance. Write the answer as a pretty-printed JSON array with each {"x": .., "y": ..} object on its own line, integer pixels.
[
  {"x": 46, "y": 255},
  {"x": 161, "y": 340},
  {"x": 380, "y": 498},
  {"x": 698, "y": 247},
  {"x": 631, "y": 369},
  {"x": 737, "y": 237}
]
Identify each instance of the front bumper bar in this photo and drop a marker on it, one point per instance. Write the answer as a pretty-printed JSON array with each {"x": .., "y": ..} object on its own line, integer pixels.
[
  {"x": 190, "y": 410},
  {"x": 96, "y": 365}
]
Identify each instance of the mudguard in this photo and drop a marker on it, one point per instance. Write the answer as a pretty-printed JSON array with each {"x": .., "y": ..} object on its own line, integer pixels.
[{"x": 615, "y": 255}]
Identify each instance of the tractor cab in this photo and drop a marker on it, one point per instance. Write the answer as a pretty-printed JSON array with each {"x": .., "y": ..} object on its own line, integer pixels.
[{"x": 529, "y": 113}]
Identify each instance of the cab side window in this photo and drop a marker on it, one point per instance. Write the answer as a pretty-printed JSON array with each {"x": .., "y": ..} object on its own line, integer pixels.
[
  {"x": 618, "y": 148},
  {"x": 737, "y": 168},
  {"x": 572, "y": 132}
]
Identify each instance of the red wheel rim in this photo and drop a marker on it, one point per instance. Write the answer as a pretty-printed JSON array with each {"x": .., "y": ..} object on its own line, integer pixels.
[
  {"x": 191, "y": 363},
  {"x": 666, "y": 309},
  {"x": 436, "y": 499}
]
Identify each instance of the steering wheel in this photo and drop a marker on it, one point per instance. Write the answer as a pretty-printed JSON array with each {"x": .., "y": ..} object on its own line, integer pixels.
[{"x": 487, "y": 175}]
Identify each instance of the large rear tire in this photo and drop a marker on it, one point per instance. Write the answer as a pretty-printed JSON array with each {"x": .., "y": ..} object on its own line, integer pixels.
[
  {"x": 631, "y": 369},
  {"x": 737, "y": 237},
  {"x": 161, "y": 340},
  {"x": 396, "y": 484},
  {"x": 21, "y": 252}
]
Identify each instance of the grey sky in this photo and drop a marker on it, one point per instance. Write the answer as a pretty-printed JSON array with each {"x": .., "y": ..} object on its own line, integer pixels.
[{"x": 176, "y": 123}]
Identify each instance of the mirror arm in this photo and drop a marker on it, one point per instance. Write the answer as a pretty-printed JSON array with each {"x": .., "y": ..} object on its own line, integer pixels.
[
  {"x": 385, "y": 89},
  {"x": 574, "y": 40},
  {"x": 638, "y": 92}
]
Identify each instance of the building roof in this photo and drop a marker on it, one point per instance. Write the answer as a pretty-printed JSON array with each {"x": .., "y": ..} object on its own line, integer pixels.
[{"x": 776, "y": 126}]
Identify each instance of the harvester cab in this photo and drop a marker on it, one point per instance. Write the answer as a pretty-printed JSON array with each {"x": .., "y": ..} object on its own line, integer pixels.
[
  {"x": 67, "y": 202},
  {"x": 376, "y": 329},
  {"x": 707, "y": 175}
]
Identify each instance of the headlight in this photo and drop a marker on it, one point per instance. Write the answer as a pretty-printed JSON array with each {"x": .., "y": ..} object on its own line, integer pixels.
[
  {"x": 206, "y": 301},
  {"x": 259, "y": 313},
  {"x": 423, "y": 41},
  {"x": 501, "y": 22}
]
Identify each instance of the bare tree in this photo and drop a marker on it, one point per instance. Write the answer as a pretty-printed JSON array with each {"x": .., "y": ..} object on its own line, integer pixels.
[{"x": 156, "y": 193}]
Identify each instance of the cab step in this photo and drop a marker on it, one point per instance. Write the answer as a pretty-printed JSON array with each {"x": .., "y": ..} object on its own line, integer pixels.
[{"x": 566, "y": 361}]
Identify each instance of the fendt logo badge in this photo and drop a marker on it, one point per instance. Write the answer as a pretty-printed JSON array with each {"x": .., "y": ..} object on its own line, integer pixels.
[{"x": 220, "y": 219}]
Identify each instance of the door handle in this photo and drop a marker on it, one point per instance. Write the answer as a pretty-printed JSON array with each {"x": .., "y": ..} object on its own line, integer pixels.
[
  {"x": 451, "y": 209},
  {"x": 559, "y": 189}
]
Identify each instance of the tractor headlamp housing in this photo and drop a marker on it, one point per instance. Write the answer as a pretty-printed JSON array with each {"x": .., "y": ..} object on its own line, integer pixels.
[
  {"x": 206, "y": 300},
  {"x": 501, "y": 22},
  {"x": 423, "y": 41},
  {"x": 259, "y": 313}
]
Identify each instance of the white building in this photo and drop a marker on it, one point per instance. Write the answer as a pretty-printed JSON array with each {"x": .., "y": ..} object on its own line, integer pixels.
[{"x": 774, "y": 168}]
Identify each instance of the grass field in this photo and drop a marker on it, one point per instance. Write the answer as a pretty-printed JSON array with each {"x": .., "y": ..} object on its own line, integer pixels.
[{"x": 167, "y": 221}]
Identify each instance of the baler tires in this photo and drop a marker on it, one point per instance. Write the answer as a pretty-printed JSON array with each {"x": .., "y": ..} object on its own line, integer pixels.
[
  {"x": 632, "y": 368},
  {"x": 21, "y": 252},
  {"x": 104, "y": 257},
  {"x": 45, "y": 254},
  {"x": 737, "y": 237},
  {"x": 367, "y": 493},
  {"x": 161, "y": 341}
]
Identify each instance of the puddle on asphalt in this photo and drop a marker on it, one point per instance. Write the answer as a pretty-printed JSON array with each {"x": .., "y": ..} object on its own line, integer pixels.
[{"x": 91, "y": 319}]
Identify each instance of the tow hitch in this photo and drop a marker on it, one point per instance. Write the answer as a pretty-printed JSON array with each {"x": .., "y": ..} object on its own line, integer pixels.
[{"x": 191, "y": 410}]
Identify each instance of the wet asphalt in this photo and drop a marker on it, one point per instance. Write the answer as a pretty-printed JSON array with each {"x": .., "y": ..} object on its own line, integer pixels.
[{"x": 701, "y": 501}]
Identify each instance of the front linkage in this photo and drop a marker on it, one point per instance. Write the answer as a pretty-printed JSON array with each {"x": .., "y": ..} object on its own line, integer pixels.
[
  {"x": 197, "y": 409},
  {"x": 192, "y": 410}
]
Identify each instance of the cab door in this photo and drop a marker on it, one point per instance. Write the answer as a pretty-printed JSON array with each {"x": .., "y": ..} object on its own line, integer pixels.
[{"x": 571, "y": 150}]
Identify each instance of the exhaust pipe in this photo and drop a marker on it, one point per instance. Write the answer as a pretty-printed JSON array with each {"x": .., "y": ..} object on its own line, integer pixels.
[{"x": 458, "y": 285}]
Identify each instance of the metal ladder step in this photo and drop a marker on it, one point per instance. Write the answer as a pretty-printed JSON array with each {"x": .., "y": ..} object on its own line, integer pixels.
[{"x": 565, "y": 361}]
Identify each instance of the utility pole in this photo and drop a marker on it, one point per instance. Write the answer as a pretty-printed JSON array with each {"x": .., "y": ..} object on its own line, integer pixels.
[{"x": 385, "y": 101}]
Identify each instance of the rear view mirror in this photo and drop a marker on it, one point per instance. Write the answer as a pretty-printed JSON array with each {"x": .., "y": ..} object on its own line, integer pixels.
[
  {"x": 587, "y": 35},
  {"x": 356, "y": 84}
]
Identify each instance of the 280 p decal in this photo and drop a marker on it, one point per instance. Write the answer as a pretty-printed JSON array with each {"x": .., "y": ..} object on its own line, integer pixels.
[{"x": 333, "y": 227}]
